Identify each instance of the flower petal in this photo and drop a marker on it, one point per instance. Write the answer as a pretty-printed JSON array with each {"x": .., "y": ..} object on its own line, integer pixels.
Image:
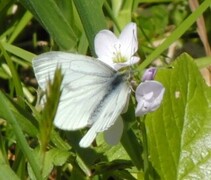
[
  {"x": 134, "y": 60},
  {"x": 130, "y": 62},
  {"x": 139, "y": 108},
  {"x": 104, "y": 42},
  {"x": 142, "y": 108},
  {"x": 113, "y": 135},
  {"x": 149, "y": 95},
  {"x": 128, "y": 40}
]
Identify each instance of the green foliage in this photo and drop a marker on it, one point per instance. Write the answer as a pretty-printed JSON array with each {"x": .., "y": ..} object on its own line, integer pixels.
[
  {"x": 50, "y": 15},
  {"x": 179, "y": 132},
  {"x": 7, "y": 114},
  {"x": 92, "y": 22},
  {"x": 6, "y": 171},
  {"x": 170, "y": 143},
  {"x": 154, "y": 20},
  {"x": 53, "y": 94}
]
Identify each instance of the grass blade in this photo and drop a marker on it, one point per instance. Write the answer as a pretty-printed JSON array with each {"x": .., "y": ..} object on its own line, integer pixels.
[
  {"x": 176, "y": 34},
  {"x": 7, "y": 114}
]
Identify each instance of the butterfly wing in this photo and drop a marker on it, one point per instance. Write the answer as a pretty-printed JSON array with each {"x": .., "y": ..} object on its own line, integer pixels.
[
  {"x": 83, "y": 85},
  {"x": 109, "y": 112},
  {"x": 92, "y": 92}
]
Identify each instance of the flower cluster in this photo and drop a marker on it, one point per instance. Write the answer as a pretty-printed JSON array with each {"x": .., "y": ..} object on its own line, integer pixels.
[{"x": 119, "y": 53}]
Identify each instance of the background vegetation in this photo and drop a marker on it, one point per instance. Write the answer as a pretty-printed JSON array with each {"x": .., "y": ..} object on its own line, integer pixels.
[{"x": 171, "y": 143}]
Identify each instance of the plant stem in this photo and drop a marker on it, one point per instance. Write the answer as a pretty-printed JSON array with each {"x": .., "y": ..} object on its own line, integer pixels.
[{"x": 145, "y": 149}]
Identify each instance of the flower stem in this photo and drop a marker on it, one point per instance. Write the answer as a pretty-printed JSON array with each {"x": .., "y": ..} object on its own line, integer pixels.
[{"x": 145, "y": 149}]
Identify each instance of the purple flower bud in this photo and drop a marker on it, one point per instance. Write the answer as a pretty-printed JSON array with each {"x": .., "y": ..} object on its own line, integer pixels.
[{"x": 149, "y": 74}]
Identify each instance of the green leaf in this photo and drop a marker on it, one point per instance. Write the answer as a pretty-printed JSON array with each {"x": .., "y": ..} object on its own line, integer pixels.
[
  {"x": 154, "y": 20},
  {"x": 88, "y": 155},
  {"x": 203, "y": 62},
  {"x": 176, "y": 34},
  {"x": 25, "y": 120},
  {"x": 122, "y": 11},
  {"x": 54, "y": 21},
  {"x": 133, "y": 148},
  {"x": 7, "y": 114},
  {"x": 22, "y": 23},
  {"x": 3, "y": 5},
  {"x": 129, "y": 139},
  {"x": 7, "y": 172},
  {"x": 92, "y": 18},
  {"x": 115, "y": 152},
  {"x": 53, "y": 157},
  {"x": 59, "y": 157},
  {"x": 25, "y": 55},
  {"x": 58, "y": 141},
  {"x": 16, "y": 79},
  {"x": 179, "y": 132}
]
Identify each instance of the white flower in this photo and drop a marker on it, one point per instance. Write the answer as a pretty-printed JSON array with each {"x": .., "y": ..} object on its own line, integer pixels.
[
  {"x": 117, "y": 52},
  {"x": 149, "y": 95}
]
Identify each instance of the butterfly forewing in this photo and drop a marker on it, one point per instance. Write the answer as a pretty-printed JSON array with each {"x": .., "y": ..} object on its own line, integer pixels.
[
  {"x": 107, "y": 112},
  {"x": 92, "y": 92}
]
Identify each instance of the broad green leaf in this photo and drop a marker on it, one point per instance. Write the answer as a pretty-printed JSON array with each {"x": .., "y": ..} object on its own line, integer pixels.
[
  {"x": 179, "y": 132},
  {"x": 203, "y": 62}
]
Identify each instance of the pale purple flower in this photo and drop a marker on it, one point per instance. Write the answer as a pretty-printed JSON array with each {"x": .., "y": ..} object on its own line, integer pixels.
[
  {"x": 117, "y": 52},
  {"x": 149, "y": 95}
]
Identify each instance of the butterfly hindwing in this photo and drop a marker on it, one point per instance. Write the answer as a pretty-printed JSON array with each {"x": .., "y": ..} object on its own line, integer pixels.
[{"x": 106, "y": 117}]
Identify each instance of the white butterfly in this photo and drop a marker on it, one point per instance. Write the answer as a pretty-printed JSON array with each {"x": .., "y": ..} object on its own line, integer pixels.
[{"x": 93, "y": 94}]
